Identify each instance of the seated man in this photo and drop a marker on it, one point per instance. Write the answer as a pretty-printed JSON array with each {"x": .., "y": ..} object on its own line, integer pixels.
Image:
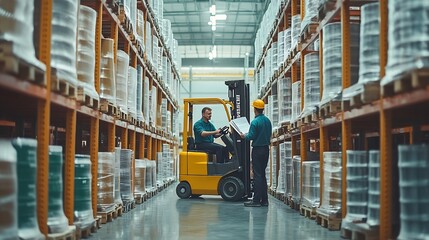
[{"x": 205, "y": 132}]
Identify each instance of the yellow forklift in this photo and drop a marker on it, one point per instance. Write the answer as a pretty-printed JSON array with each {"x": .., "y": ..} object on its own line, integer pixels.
[{"x": 200, "y": 173}]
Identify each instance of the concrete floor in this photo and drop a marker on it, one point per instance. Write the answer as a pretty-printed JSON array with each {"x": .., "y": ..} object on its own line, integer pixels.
[{"x": 165, "y": 216}]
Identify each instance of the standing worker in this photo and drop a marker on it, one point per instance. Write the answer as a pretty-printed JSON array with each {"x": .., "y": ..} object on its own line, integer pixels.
[{"x": 260, "y": 132}]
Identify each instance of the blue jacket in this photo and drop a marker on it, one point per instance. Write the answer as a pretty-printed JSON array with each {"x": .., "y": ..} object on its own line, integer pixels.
[
  {"x": 201, "y": 126},
  {"x": 260, "y": 131}
]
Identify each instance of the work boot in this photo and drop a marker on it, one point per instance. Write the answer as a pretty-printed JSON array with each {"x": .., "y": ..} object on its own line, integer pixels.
[{"x": 252, "y": 204}]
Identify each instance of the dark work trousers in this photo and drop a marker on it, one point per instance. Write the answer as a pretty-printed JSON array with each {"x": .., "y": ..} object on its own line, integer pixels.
[
  {"x": 218, "y": 149},
  {"x": 260, "y": 157}
]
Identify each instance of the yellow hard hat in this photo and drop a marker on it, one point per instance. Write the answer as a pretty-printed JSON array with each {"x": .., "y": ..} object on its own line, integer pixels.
[{"x": 258, "y": 103}]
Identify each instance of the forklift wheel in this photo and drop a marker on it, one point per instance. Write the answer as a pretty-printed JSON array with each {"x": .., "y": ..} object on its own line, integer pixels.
[
  {"x": 183, "y": 190},
  {"x": 231, "y": 188}
]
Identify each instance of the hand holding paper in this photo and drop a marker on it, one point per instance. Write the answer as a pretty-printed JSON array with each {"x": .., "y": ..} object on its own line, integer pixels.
[{"x": 241, "y": 125}]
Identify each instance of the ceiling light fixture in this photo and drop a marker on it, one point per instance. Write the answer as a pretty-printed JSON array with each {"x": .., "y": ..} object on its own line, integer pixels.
[
  {"x": 214, "y": 17},
  {"x": 213, "y": 53},
  {"x": 212, "y": 9}
]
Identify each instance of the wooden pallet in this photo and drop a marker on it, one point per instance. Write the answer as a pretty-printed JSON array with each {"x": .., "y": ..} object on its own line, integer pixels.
[
  {"x": 371, "y": 93},
  {"x": 327, "y": 221},
  {"x": 123, "y": 18},
  {"x": 308, "y": 32},
  {"x": 360, "y": 231},
  {"x": 365, "y": 94},
  {"x": 112, "y": 4},
  {"x": 315, "y": 116},
  {"x": 157, "y": 26},
  {"x": 140, "y": 124},
  {"x": 296, "y": 49},
  {"x": 289, "y": 59},
  {"x": 330, "y": 108},
  {"x": 70, "y": 234},
  {"x": 308, "y": 212},
  {"x": 280, "y": 196},
  {"x": 133, "y": 205},
  {"x": 409, "y": 81},
  {"x": 276, "y": 74},
  {"x": 151, "y": 12},
  {"x": 281, "y": 131},
  {"x": 139, "y": 198},
  {"x": 97, "y": 224},
  {"x": 150, "y": 194},
  {"x": 118, "y": 211},
  {"x": 287, "y": 200},
  {"x": 123, "y": 115},
  {"x": 108, "y": 107},
  {"x": 294, "y": 204},
  {"x": 132, "y": 120},
  {"x": 140, "y": 50},
  {"x": 133, "y": 37},
  {"x": 285, "y": 126},
  {"x": 83, "y": 233},
  {"x": 126, "y": 23},
  {"x": 275, "y": 133},
  {"x": 128, "y": 205},
  {"x": 87, "y": 230},
  {"x": 310, "y": 118},
  {"x": 62, "y": 86},
  {"x": 12, "y": 64},
  {"x": 295, "y": 125},
  {"x": 106, "y": 216},
  {"x": 85, "y": 99}
]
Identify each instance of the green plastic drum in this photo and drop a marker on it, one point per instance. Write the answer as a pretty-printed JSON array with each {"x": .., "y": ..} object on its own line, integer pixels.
[
  {"x": 57, "y": 221},
  {"x": 27, "y": 177},
  {"x": 8, "y": 191},
  {"x": 82, "y": 190}
]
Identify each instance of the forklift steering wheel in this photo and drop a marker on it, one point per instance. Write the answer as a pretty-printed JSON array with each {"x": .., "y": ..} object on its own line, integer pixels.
[{"x": 224, "y": 130}]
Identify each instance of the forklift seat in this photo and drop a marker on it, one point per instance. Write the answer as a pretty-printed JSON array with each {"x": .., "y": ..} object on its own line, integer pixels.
[
  {"x": 192, "y": 148},
  {"x": 191, "y": 144}
]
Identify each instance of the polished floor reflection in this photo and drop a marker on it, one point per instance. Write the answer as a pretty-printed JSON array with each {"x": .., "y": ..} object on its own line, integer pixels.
[{"x": 165, "y": 216}]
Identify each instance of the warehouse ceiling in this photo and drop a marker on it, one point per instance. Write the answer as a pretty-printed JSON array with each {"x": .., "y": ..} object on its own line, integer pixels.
[{"x": 233, "y": 37}]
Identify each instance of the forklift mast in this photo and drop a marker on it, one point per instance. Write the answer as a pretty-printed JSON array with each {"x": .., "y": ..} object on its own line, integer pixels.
[{"x": 238, "y": 94}]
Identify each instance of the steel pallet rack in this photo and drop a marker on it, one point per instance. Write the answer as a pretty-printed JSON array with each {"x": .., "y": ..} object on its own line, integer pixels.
[
  {"x": 397, "y": 117},
  {"x": 52, "y": 118}
]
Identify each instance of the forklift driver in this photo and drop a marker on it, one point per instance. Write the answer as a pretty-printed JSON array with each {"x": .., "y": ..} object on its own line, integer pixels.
[{"x": 205, "y": 132}]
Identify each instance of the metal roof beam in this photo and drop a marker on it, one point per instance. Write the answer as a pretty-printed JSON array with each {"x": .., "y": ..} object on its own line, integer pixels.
[
  {"x": 187, "y": 13},
  {"x": 228, "y": 1},
  {"x": 198, "y": 24},
  {"x": 176, "y": 35},
  {"x": 235, "y": 42},
  {"x": 217, "y": 62}
]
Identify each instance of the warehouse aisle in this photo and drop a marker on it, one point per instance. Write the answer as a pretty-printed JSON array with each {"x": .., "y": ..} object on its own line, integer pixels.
[{"x": 167, "y": 217}]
